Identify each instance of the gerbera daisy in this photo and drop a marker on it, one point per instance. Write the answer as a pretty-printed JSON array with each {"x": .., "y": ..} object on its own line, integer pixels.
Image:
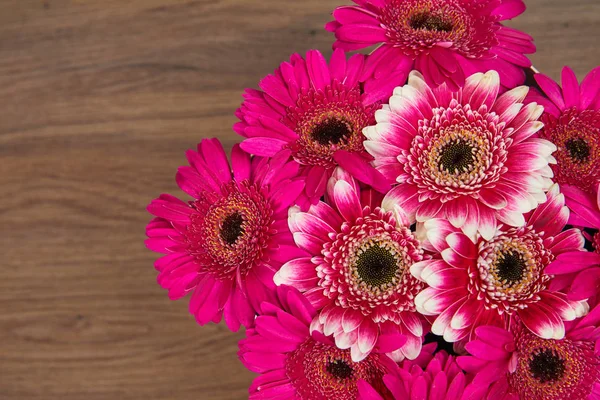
[
  {"x": 225, "y": 245},
  {"x": 572, "y": 122},
  {"x": 357, "y": 273},
  {"x": 446, "y": 40},
  {"x": 516, "y": 364},
  {"x": 468, "y": 156},
  {"x": 297, "y": 365},
  {"x": 317, "y": 111},
  {"x": 440, "y": 379},
  {"x": 484, "y": 282}
]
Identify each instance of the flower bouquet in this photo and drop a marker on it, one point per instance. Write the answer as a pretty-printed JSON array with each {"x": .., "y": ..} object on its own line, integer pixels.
[{"x": 415, "y": 223}]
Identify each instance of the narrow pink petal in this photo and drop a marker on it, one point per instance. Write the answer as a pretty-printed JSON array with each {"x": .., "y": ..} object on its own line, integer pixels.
[
  {"x": 351, "y": 319},
  {"x": 366, "y": 391},
  {"x": 300, "y": 273},
  {"x": 367, "y": 336},
  {"x": 361, "y": 33},
  {"x": 542, "y": 321},
  {"x": 262, "y": 146},
  {"x": 481, "y": 89},
  {"x": 485, "y": 351},
  {"x": 347, "y": 201},
  {"x": 570, "y": 87},
  {"x": 509, "y": 9},
  {"x": 317, "y": 69},
  {"x": 590, "y": 86},
  {"x": 240, "y": 162},
  {"x": 551, "y": 89},
  {"x": 215, "y": 157},
  {"x": 337, "y": 65},
  {"x": 462, "y": 245}
]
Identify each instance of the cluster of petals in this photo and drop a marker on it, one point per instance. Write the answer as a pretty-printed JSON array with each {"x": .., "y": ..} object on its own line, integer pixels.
[
  {"x": 446, "y": 40},
  {"x": 224, "y": 246},
  {"x": 317, "y": 110},
  {"x": 412, "y": 224},
  {"x": 468, "y": 156},
  {"x": 356, "y": 271}
]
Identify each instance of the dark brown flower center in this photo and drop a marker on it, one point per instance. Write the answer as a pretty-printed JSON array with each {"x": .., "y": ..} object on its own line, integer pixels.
[
  {"x": 429, "y": 22},
  {"x": 331, "y": 131},
  {"x": 456, "y": 156},
  {"x": 578, "y": 149},
  {"x": 546, "y": 366},
  {"x": 510, "y": 266},
  {"x": 339, "y": 369},
  {"x": 232, "y": 229},
  {"x": 376, "y": 266}
]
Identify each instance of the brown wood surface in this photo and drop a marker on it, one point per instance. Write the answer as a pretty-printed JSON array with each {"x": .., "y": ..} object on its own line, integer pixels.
[{"x": 99, "y": 100}]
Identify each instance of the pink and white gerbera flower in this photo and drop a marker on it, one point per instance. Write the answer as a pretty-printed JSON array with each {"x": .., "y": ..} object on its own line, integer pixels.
[
  {"x": 468, "y": 156},
  {"x": 446, "y": 40},
  {"x": 293, "y": 364},
  {"x": 572, "y": 122},
  {"x": 357, "y": 273},
  {"x": 226, "y": 244},
  {"x": 484, "y": 282},
  {"x": 318, "y": 112},
  {"x": 440, "y": 379},
  {"x": 516, "y": 364}
]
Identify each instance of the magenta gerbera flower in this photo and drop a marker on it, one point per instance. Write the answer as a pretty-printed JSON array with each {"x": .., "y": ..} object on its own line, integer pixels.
[
  {"x": 468, "y": 156},
  {"x": 446, "y": 40},
  {"x": 440, "y": 379},
  {"x": 297, "y": 365},
  {"x": 484, "y": 282},
  {"x": 225, "y": 245},
  {"x": 572, "y": 122},
  {"x": 318, "y": 112},
  {"x": 516, "y": 364},
  {"x": 357, "y": 272}
]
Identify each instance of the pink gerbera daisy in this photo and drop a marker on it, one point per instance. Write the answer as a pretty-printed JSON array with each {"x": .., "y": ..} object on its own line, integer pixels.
[
  {"x": 572, "y": 122},
  {"x": 516, "y": 364},
  {"x": 446, "y": 40},
  {"x": 297, "y": 365},
  {"x": 468, "y": 156},
  {"x": 440, "y": 379},
  {"x": 317, "y": 111},
  {"x": 484, "y": 282},
  {"x": 357, "y": 273},
  {"x": 225, "y": 245}
]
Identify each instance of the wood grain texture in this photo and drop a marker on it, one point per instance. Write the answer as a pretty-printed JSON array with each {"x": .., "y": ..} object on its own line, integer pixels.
[{"x": 100, "y": 98}]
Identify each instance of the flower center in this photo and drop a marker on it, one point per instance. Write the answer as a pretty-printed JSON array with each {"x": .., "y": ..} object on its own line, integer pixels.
[
  {"x": 578, "y": 149},
  {"x": 339, "y": 369},
  {"x": 322, "y": 371},
  {"x": 576, "y": 135},
  {"x": 377, "y": 265},
  {"x": 510, "y": 269},
  {"x": 546, "y": 365},
  {"x": 456, "y": 156},
  {"x": 429, "y": 22},
  {"x": 331, "y": 131},
  {"x": 553, "y": 369},
  {"x": 510, "y": 266},
  {"x": 326, "y": 121},
  {"x": 232, "y": 228}
]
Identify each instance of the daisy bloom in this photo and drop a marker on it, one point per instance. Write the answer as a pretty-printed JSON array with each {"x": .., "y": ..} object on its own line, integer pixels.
[
  {"x": 317, "y": 111},
  {"x": 440, "y": 379},
  {"x": 484, "y": 282},
  {"x": 468, "y": 156},
  {"x": 293, "y": 364},
  {"x": 225, "y": 245},
  {"x": 446, "y": 40},
  {"x": 516, "y": 364},
  {"x": 572, "y": 122},
  {"x": 357, "y": 273}
]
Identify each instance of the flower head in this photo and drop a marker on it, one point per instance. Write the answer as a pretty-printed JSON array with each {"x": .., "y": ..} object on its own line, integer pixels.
[
  {"x": 446, "y": 40},
  {"x": 297, "y": 365},
  {"x": 317, "y": 111},
  {"x": 225, "y": 245},
  {"x": 515, "y": 364},
  {"x": 440, "y": 378},
  {"x": 572, "y": 122},
  {"x": 357, "y": 272},
  {"x": 468, "y": 156},
  {"x": 484, "y": 282}
]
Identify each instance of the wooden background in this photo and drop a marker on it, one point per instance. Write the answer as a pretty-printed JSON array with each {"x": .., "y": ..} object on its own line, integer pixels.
[{"x": 99, "y": 99}]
